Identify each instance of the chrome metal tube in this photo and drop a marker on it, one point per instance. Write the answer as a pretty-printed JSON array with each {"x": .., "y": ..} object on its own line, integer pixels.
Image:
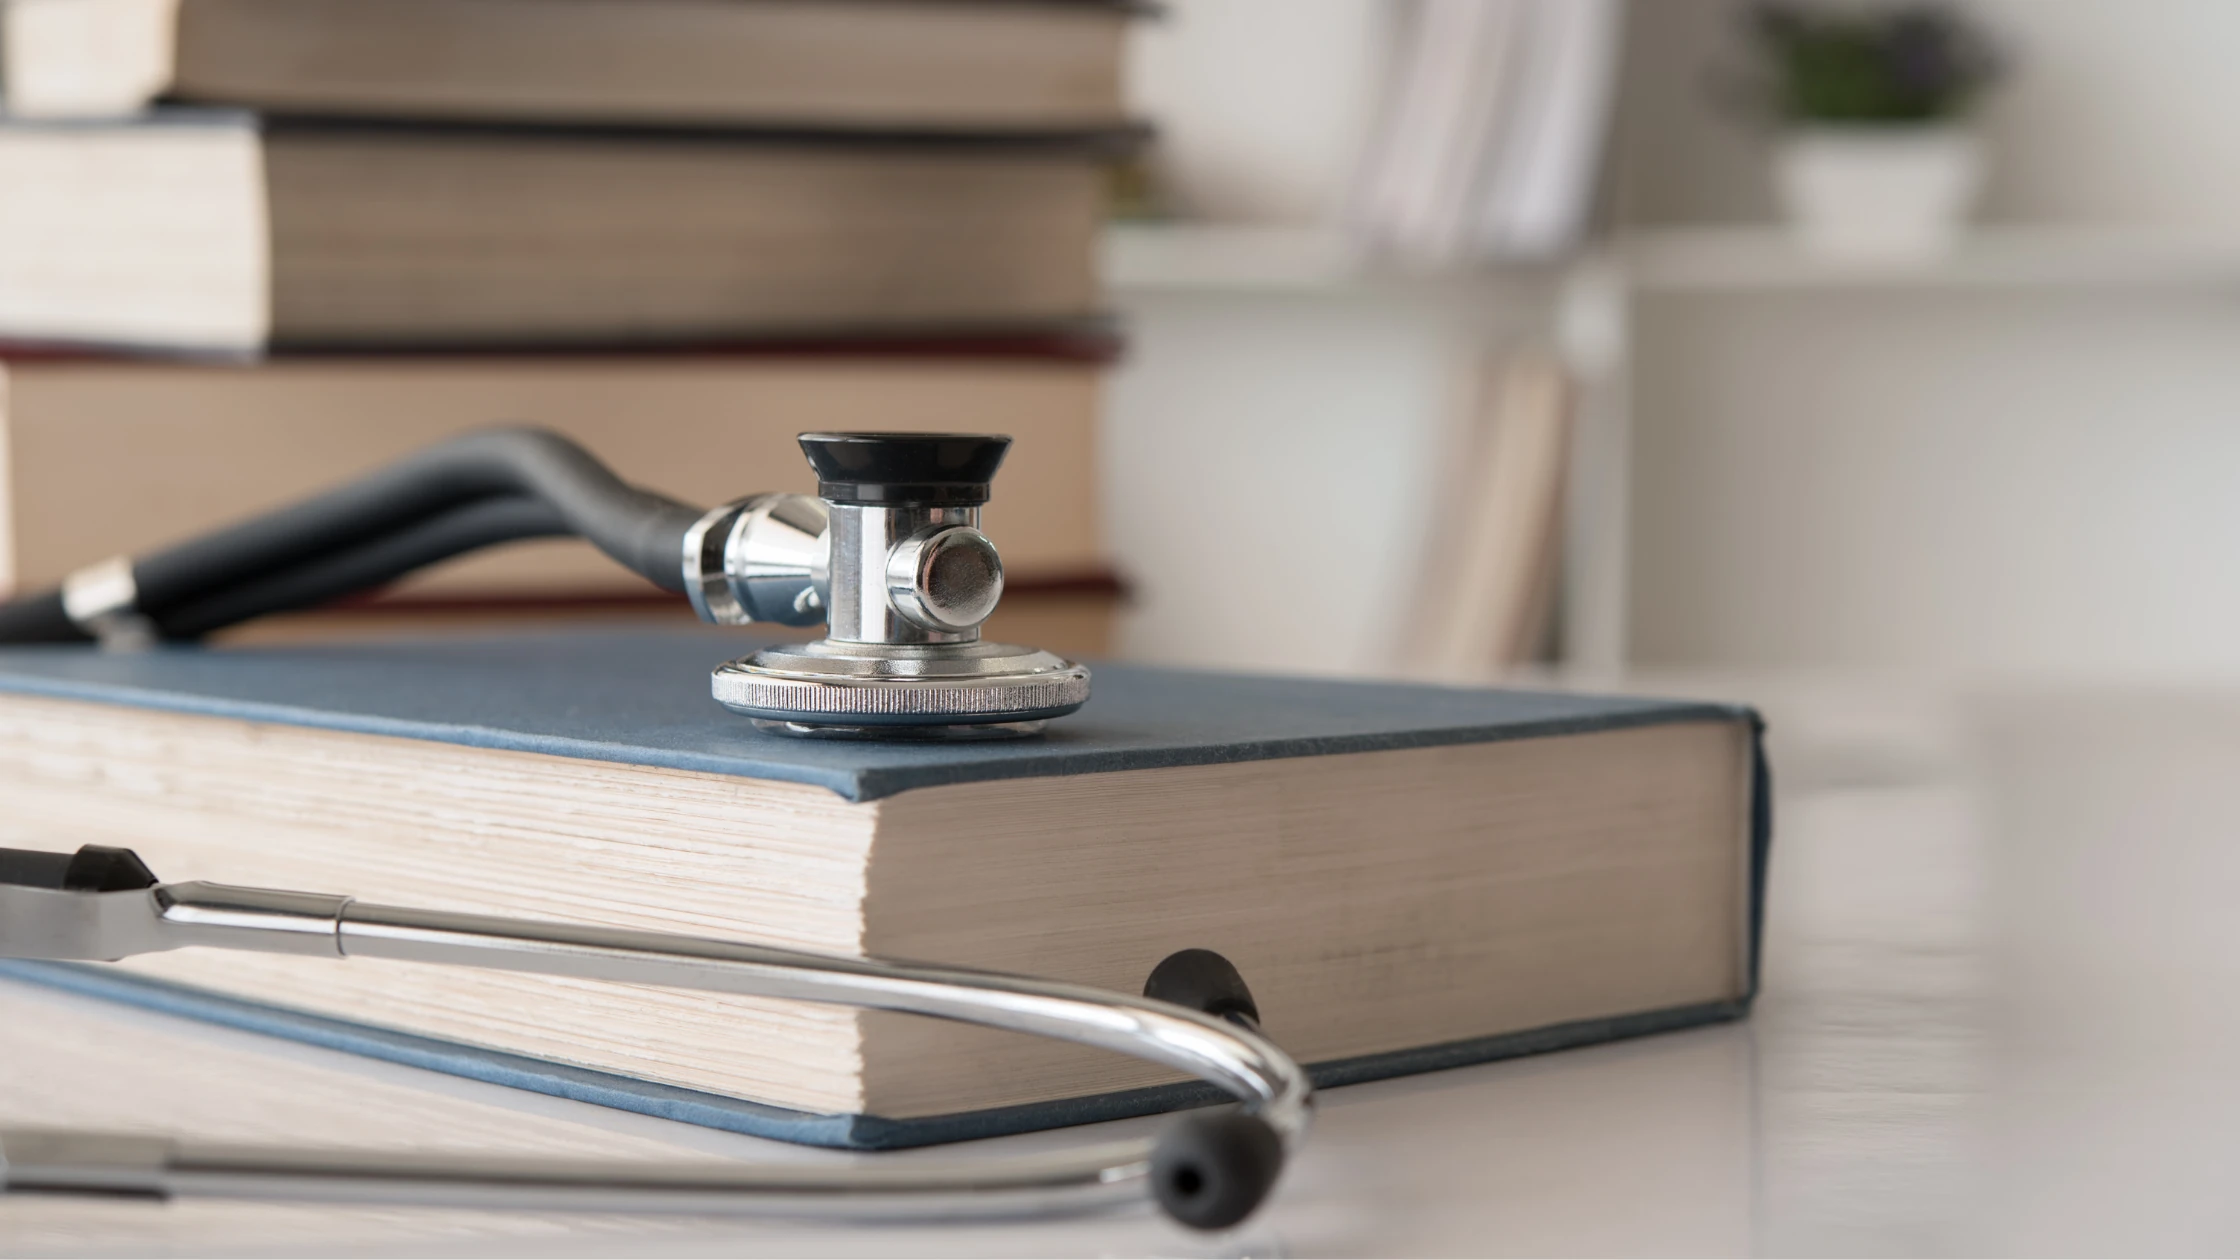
[
  {"x": 129, "y": 1166},
  {"x": 1214, "y": 1050},
  {"x": 1235, "y": 1058},
  {"x": 863, "y": 541}
]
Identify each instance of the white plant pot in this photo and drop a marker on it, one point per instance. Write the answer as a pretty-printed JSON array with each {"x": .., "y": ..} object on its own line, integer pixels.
[{"x": 1878, "y": 194}]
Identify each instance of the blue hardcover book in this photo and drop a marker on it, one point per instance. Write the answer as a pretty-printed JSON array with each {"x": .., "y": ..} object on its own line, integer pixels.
[{"x": 1409, "y": 878}]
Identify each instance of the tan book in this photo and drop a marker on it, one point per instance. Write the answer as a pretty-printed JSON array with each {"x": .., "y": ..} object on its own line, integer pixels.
[
  {"x": 1489, "y": 576},
  {"x": 223, "y": 232},
  {"x": 1407, "y": 877},
  {"x": 866, "y": 63},
  {"x": 103, "y": 457},
  {"x": 1074, "y": 615}
]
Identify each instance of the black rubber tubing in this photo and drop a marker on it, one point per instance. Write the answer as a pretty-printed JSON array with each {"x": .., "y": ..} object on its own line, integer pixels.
[
  {"x": 370, "y": 564},
  {"x": 93, "y": 868},
  {"x": 641, "y": 530},
  {"x": 358, "y": 527},
  {"x": 39, "y": 619},
  {"x": 366, "y": 566}
]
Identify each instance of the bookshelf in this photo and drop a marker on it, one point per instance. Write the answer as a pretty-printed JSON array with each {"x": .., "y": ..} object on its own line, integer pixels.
[
  {"x": 2067, "y": 374},
  {"x": 1385, "y": 347},
  {"x": 1334, "y": 379},
  {"x": 1276, "y": 258},
  {"x": 1313, "y": 258},
  {"x": 2078, "y": 339},
  {"x": 1765, "y": 258},
  {"x": 1160, "y": 257}
]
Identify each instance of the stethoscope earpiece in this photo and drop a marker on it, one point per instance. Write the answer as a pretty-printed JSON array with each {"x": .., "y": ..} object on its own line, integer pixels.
[{"x": 1213, "y": 1169}]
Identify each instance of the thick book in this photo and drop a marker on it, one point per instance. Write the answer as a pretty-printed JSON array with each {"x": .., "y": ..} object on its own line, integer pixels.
[
  {"x": 103, "y": 456},
  {"x": 222, "y": 232},
  {"x": 862, "y": 63},
  {"x": 1408, "y": 877}
]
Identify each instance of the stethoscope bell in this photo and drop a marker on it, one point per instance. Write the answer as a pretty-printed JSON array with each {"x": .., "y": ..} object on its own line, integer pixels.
[{"x": 890, "y": 556}]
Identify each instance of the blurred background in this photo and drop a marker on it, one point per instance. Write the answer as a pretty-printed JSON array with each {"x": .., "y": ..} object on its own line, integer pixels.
[
  {"x": 1439, "y": 338},
  {"x": 1981, "y": 430}
]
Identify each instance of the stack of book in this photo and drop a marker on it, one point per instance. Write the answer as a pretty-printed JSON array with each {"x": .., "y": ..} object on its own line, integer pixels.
[{"x": 252, "y": 247}]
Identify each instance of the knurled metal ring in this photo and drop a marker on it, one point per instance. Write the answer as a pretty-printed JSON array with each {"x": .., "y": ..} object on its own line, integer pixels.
[{"x": 745, "y": 687}]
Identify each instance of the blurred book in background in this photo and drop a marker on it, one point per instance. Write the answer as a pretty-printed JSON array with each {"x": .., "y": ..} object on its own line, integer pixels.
[
  {"x": 741, "y": 221},
  {"x": 1490, "y": 572},
  {"x": 815, "y": 63},
  {"x": 229, "y": 232},
  {"x": 1438, "y": 132},
  {"x": 1491, "y": 131}
]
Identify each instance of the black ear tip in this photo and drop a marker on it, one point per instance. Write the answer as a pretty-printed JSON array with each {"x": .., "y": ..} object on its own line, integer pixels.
[
  {"x": 102, "y": 868},
  {"x": 1202, "y": 981},
  {"x": 93, "y": 868},
  {"x": 1211, "y": 1169}
]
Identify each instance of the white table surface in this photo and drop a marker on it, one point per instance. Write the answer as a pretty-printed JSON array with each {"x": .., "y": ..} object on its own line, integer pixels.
[{"x": 2001, "y": 1014}]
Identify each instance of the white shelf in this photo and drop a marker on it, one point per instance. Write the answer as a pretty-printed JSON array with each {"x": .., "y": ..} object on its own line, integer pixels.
[
  {"x": 1266, "y": 258},
  {"x": 1766, "y": 258},
  {"x": 1303, "y": 259},
  {"x": 1164, "y": 256}
]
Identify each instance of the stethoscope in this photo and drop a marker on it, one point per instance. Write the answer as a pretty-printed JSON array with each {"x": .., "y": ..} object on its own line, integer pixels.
[
  {"x": 1208, "y": 1169},
  {"x": 890, "y": 558}
]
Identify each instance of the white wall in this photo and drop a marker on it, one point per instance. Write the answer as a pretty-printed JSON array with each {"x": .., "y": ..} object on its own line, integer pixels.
[
  {"x": 2114, "y": 111},
  {"x": 1262, "y": 105},
  {"x": 2124, "y": 111},
  {"x": 1269, "y": 458},
  {"x": 1967, "y": 480},
  {"x": 1968, "y": 483}
]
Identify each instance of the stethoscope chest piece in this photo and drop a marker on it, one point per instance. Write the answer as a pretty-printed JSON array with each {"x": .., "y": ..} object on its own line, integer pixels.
[{"x": 890, "y": 555}]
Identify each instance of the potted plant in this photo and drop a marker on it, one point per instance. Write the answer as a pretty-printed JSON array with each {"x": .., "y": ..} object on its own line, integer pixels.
[{"x": 1876, "y": 160}]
